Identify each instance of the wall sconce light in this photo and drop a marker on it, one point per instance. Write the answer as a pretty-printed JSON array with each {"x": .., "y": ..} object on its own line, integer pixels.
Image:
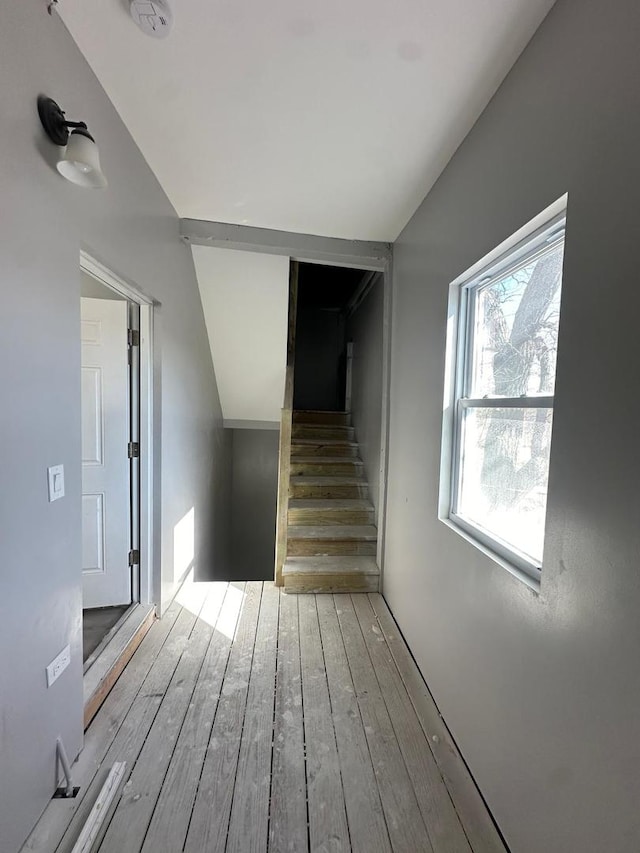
[{"x": 80, "y": 161}]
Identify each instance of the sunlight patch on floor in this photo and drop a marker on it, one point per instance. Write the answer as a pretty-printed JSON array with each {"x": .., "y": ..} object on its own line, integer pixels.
[
  {"x": 230, "y": 613},
  {"x": 191, "y": 595},
  {"x": 217, "y": 603},
  {"x": 213, "y": 603}
]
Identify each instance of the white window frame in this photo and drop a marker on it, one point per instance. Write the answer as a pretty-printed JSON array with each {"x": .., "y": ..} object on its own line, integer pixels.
[{"x": 543, "y": 234}]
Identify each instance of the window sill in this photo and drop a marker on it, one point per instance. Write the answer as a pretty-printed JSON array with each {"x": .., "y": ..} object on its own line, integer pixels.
[{"x": 521, "y": 574}]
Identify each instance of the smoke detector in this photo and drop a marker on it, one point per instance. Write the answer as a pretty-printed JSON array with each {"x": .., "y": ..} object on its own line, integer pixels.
[{"x": 154, "y": 17}]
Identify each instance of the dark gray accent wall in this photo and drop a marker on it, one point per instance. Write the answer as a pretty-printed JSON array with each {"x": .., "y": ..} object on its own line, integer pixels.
[
  {"x": 215, "y": 535},
  {"x": 254, "y": 494},
  {"x": 132, "y": 228},
  {"x": 541, "y": 691},
  {"x": 365, "y": 330},
  {"x": 318, "y": 379}
]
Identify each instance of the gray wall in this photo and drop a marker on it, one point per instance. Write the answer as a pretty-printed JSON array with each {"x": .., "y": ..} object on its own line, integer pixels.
[
  {"x": 541, "y": 691},
  {"x": 254, "y": 493},
  {"x": 132, "y": 228},
  {"x": 364, "y": 328}
]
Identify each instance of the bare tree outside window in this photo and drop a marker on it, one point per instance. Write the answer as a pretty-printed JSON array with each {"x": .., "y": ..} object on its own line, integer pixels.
[{"x": 511, "y": 339}]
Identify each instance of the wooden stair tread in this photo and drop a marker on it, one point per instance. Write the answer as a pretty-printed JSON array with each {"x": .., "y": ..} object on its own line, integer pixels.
[
  {"x": 320, "y": 449},
  {"x": 323, "y": 429},
  {"x": 328, "y": 441},
  {"x": 331, "y": 565},
  {"x": 330, "y": 574},
  {"x": 324, "y": 426},
  {"x": 329, "y": 503},
  {"x": 309, "y": 487},
  {"x": 360, "y": 532},
  {"x": 333, "y": 480},
  {"x": 310, "y": 416},
  {"x": 326, "y": 460},
  {"x": 322, "y": 432},
  {"x": 330, "y": 510}
]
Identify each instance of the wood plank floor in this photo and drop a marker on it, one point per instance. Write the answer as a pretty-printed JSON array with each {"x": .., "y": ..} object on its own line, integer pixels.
[{"x": 250, "y": 720}]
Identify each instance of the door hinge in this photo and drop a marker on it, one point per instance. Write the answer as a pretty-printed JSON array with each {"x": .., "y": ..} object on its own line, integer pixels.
[
  {"x": 133, "y": 337},
  {"x": 134, "y": 557},
  {"x": 133, "y": 450}
]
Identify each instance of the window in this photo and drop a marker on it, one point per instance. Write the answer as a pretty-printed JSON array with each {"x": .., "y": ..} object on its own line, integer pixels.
[{"x": 502, "y": 403}]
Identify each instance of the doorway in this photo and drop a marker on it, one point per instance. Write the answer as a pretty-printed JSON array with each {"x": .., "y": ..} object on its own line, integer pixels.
[
  {"x": 117, "y": 451},
  {"x": 109, "y": 402}
]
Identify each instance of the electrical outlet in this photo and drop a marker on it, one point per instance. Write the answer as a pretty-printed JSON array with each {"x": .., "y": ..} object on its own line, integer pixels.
[{"x": 58, "y": 665}]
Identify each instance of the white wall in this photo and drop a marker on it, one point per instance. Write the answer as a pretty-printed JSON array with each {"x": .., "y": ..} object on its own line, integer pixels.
[
  {"x": 365, "y": 329},
  {"x": 133, "y": 229},
  {"x": 541, "y": 691},
  {"x": 245, "y": 296}
]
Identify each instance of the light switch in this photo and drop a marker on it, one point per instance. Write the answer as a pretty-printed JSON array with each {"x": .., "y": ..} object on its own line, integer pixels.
[{"x": 55, "y": 476}]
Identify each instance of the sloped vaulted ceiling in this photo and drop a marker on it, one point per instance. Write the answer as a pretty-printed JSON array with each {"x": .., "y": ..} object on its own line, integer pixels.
[
  {"x": 245, "y": 298},
  {"x": 331, "y": 118}
]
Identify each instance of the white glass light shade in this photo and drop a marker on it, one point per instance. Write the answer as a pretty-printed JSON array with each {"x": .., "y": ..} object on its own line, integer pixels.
[{"x": 80, "y": 162}]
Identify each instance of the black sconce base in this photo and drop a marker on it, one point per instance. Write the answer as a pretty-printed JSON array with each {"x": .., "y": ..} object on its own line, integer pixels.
[{"x": 53, "y": 121}]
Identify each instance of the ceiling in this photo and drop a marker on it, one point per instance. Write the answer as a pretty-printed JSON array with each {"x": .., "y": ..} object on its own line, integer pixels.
[{"x": 330, "y": 118}]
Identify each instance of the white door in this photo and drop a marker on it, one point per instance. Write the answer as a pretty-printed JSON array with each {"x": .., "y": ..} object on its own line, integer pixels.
[{"x": 106, "y": 576}]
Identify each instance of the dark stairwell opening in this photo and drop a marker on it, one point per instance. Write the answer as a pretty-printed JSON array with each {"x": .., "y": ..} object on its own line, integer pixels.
[{"x": 324, "y": 297}]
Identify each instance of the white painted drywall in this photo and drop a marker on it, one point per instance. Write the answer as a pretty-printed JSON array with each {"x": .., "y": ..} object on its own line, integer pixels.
[
  {"x": 329, "y": 118},
  {"x": 132, "y": 228},
  {"x": 245, "y": 297},
  {"x": 542, "y": 692}
]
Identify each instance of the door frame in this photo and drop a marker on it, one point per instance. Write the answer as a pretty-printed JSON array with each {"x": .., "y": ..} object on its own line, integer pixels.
[{"x": 146, "y": 589}]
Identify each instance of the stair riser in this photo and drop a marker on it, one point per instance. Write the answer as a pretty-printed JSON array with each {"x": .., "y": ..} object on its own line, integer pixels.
[
  {"x": 332, "y": 418},
  {"x": 329, "y": 548},
  {"x": 322, "y": 433},
  {"x": 323, "y": 450},
  {"x": 325, "y": 469},
  {"x": 348, "y": 491},
  {"x": 330, "y": 583},
  {"x": 328, "y": 517}
]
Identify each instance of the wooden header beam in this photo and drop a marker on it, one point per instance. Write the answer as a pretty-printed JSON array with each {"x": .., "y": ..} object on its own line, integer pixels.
[{"x": 357, "y": 254}]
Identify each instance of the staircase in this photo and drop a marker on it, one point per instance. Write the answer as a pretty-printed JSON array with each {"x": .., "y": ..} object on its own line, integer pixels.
[{"x": 331, "y": 536}]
